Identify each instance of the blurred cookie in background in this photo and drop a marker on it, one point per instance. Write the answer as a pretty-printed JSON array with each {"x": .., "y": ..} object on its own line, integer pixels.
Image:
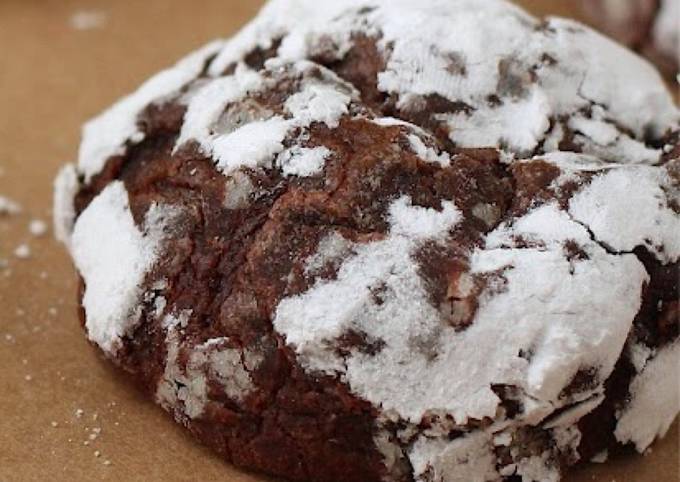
[{"x": 650, "y": 27}]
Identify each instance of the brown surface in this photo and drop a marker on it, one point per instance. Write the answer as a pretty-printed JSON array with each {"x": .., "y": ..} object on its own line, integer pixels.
[{"x": 53, "y": 77}]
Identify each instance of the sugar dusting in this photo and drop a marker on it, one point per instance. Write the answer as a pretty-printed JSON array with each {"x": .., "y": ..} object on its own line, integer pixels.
[
  {"x": 113, "y": 256},
  {"x": 648, "y": 396}
]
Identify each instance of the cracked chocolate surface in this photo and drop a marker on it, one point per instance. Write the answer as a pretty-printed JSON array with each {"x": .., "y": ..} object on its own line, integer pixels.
[{"x": 354, "y": 280}]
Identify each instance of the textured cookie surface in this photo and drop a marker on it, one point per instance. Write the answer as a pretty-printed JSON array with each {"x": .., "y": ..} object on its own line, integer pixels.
[{"x": 399, "y": 241}]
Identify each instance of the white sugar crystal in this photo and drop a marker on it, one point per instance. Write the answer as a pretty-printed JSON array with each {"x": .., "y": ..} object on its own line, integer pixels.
[
  {"x": 23, "y": 251},
  {"x": 113, "y": 256},
  {"x": 37, "y": 227}
]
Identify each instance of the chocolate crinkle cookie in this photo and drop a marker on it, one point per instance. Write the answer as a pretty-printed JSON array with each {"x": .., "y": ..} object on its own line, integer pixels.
[
  {"x": 651, "y": 27},
  {"x": 405, "y": 240}
]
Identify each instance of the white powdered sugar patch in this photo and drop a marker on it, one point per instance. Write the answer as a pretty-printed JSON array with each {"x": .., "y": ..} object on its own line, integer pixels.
[
  {"x": 537, "y": 467},
  {"x": 303, "y": 161},
  {"x": 318, "y": 103},
  {"x": 552, "y": 302},
  {"x": 252, "y": 136},
  {"x": 37, "y": 227},
  {"x": 655, "y": 400},
  {"x": 626, "y": 207},
  {"x": 253, "y": 145},
  {"x": 23, "y": 251},
  {"x": 332, "y": 248},
  {"x": 395, "y": 377},
  {"x": 428, "y": 153},
  {"x": 113, "y": 256},
  {"x": 468, "y": 50},
  {"x": 66, "y": 187},
  {"x": 208, "y": 104},
  {"x": 465, "y": 459},
  {"x": 212, "y": 359},
  {"x": 600, "y": 137},
  {"x": 418, "y": 145},
  {"x": 106, "y": 135},
  {"x": 549, "y": 299},
  {"x": 572, "y": 415}
]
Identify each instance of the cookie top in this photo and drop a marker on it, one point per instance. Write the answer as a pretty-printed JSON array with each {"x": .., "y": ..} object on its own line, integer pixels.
[{"x": 484, "y": 181}]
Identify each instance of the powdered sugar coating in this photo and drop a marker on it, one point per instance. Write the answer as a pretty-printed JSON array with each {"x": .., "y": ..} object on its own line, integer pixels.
[
  {"x": 106, "y": 135},
  {"x": 303, "y": 161},
  {"x": 252, "y": 136},
  {"x": 539, "y": 72},
  {"x": 466, "y": 459},
  {"x": 66, "y": 187},
  {"x": 649, "y": 396},
  {"x": 113, "y": 256},
  {"x": 253, "y": 145},
  {"x": 552, "y": 299},
  {"x": 605, "y": 205},
  {"x": 464, "y": 51}
]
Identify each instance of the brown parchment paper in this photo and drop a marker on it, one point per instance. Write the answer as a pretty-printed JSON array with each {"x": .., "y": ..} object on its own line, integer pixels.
[{"x": 65, "y": 414}]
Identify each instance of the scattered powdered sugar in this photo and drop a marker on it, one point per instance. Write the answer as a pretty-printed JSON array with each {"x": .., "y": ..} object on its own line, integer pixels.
[
  {"x": 468, "y": 50},
  {"x": 572, "y": 415},
  {"x": 418, "y": 223},
  {"x": 88, "y": 19},
  {"x": 332, "y": 248},
  {"x": 549, "y": 296},
  {"x": 37, "y": 227},
  {"x": 113, "y": 256},
  {"x": 653, "y": 405},
  {"x": 303, "y": 161},
  {"x": 208, "y": 104},
  {"x": 393, "y": 378},
  {"x": 23, "y": 251},
  {"x": 7, "y": 206}
]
